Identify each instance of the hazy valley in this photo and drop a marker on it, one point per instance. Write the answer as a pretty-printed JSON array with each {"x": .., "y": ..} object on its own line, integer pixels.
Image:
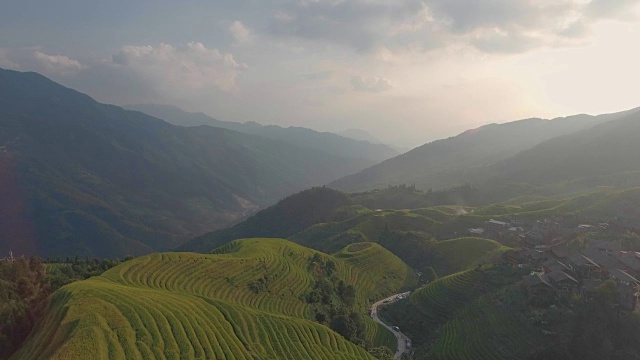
[{"x": 155, "y": 230}]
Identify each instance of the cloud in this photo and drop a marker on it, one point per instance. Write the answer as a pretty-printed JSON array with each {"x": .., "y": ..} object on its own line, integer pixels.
[
  {"x": 190, "y": 67},
  {"x": 240, "y": 33},
  {"x": 35, "y": 59},
  {"x": 577, "y": 29},
  {"x": 500, "y": 41},
  {"x": 58, "y": 64},
  {"x": 488, "y": 25},
  {"x": 353, "y": 23},
  {"x": 611, "y": 9},
  {"x": 370, "y": 84},
  {"x": 6, "y": 61}
]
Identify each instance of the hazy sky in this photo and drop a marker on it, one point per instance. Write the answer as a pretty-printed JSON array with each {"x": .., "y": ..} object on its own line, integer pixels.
[{"x": 406, "y": 71}]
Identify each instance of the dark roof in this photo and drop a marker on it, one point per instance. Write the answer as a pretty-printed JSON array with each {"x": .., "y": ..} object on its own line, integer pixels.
[
  {"x": 552, "y": 241},
  {"x": 624, "y": 276},
  {"x": 560, "y": 251},
  {"x": 578, "y": 259},
  {"x": 534, "y": 254},
  {"x": 531, "y": 239},
  {"x": 535, "y": 280},
  {"x": 554, "y": 265},
  {"x": 604, "y": 245},
  {"x": 630, "y": 260},
  {"x": 601, "y": 259},
  {"x": 557, "y": 276}
]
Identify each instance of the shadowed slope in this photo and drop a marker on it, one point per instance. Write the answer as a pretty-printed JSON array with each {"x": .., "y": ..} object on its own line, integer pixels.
[{"x": 97, "y": 180}]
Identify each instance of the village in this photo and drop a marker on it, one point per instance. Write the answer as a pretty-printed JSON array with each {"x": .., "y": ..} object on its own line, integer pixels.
[{"x": 569, "y": 260}]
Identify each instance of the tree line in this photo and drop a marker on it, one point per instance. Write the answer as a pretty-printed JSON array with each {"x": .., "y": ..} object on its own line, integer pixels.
[{"x": 25, "y": 284}]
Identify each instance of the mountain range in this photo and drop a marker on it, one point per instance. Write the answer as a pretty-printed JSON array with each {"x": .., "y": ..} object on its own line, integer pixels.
[
  {"x": 296, "y": 279},
  {"x": 84, "y": 178},
  {"x": 477, "y": 155},
  {"x": 81, "y": 177},
  {"x": 352, "y": 149}
]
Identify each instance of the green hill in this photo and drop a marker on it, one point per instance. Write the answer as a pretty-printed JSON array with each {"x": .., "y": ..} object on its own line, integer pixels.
[
  {"x": 84, "y": 178},
  {"x": 408, "y": 234},
  {"x": 459, "y": 254},
  {"x": 287, "y": 217},
  {"x": 328, "y": 220},
  {"x": 250, "y": 299}
]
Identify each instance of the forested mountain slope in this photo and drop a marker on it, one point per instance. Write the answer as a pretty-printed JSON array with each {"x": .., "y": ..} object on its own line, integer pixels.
[
  {"x": 362, "y": 153},
  {"x": 606, "y": 154},
  {"x": 467, "y": 157},
  {"x": 84, "y": 178}
]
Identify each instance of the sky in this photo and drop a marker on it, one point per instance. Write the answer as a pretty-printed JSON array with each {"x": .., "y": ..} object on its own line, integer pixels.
[{"x": 406, "y": 71}]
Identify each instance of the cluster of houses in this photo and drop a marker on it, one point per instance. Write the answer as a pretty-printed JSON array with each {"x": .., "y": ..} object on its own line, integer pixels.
[
  {"x": 582, "y": 271},
  {"x": 561, "y": 269},
  {"x": 494, "y": 228}
]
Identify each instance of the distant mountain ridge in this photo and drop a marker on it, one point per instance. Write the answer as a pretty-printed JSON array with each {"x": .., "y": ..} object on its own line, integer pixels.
[
  {"x": 84, "y": 178},
  {"x": 605, "y": 154},
  {"x": 467, "y": 157},
  {"x": 359, "y": 134},
  {"x": 331, "y": 143}
]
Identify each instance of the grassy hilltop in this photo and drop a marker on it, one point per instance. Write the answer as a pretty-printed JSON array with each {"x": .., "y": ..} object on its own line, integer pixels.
[{"x": 249, "y": 299}]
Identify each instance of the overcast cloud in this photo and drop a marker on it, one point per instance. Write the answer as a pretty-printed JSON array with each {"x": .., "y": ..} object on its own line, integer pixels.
[{"x": 407, "y": 71}]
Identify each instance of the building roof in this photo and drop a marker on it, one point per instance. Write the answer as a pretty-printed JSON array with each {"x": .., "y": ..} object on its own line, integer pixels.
[
  {"x": 560, "y": 251},
  {"x": 578, "y": 259},
  {"x": 624, "y": 276},
  {"x": 535, "y": 280},
  {"x": 552, "y": 240},
  {"x": 604, "y": 245},
  {"x": 534, "y": 254},
  {"x": 496, "y": 222},
  {"x": 554, "y": 265},
  {"x": 601, "y": 259},
  {"x": 558, "y": 276},
  {"x": 532, "y": 239},
  {"x": 629, "y": 259}
]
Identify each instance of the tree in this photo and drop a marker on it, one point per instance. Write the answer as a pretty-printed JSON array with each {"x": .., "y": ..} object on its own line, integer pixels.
[
  {"x": 330, "y": 267},
  {"x": 430, "y": 274},
  {"x": 23, "y": 291},
  {"x": 630, "y": 240}
]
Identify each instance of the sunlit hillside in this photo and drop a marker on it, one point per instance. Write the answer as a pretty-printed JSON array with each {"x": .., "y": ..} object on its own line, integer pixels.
[{"x": 247, "y": 300}]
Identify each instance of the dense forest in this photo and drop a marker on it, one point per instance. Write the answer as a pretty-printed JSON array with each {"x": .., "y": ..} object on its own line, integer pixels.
[{"x": 25, "y": 284}]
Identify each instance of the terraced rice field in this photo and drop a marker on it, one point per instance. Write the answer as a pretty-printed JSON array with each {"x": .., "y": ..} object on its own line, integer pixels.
[
  {"x": 195, "y": 306},
  {"x": 372, "y": 278},
  {"x": 484, "y": 331},
  {"x": 463, "y": 253},
  {"x": 439, "y": 300},
  {"x": 368, "y": 226},
  {"x": 468, "y": 317}
]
